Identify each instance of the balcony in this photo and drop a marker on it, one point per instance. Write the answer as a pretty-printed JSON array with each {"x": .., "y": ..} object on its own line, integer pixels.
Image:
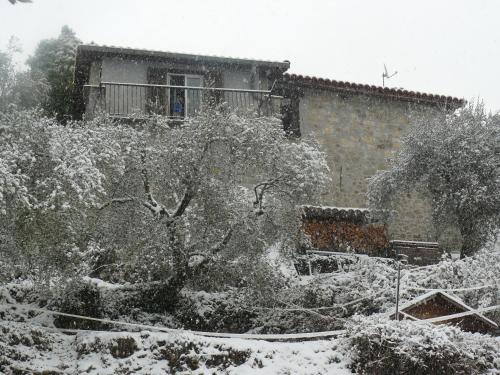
[{"x": 135, "y": 101}]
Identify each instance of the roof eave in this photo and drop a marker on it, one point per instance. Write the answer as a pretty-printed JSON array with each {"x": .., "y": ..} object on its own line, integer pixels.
[
  {"x": 429, "y": 295},
  {"x": 139, "y": 53},
  {"x": 361, "y": 89},
  {"x": 467, "y": 307}
]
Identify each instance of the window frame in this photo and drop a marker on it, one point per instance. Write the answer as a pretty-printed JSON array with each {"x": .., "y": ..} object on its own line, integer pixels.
[{"x": 186, "y": 109}]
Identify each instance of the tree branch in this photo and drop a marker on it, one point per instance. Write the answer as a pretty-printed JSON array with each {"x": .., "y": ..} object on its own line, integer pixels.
[
  {"x": 259, "y": 196},
  {"x": 213, "y": 250},
  {"x": 116, "y": 200},
  {"x": 222, "y": 244},
  {"x": 184, "y": 203},
  {"x": 151, "y": 203},
  {"x": 145, "y": 180}
]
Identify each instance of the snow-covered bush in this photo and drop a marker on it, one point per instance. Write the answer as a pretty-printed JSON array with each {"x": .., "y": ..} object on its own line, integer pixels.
[
  {"x": 78, "y": 298},
  {"x": 311, "y": 263},
  {"x": 221, "y": 312},
  {"x": 151, "y": 297},
  {"x": 323, "y": 302},
  {"x": 365, "y": 285},
  {"x": 478, "y": 275},
  {"x": 380, "y": 346},
  {"x": 371, "y": 281},
  {"x": 294, "y": 320},
  {"x": 454, "y": 159},
  {"x": 18, "y": 293}
]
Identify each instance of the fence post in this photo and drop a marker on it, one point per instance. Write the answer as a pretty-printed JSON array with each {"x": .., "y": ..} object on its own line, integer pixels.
[
  {"x": 399, "y": 258},
  {"x": 102, "y": 99}
]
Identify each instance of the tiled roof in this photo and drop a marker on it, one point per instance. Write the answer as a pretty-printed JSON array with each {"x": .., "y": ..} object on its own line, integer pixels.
[
  {"x": 115, "y": 50},
  {"x": 414, "y": 96}
]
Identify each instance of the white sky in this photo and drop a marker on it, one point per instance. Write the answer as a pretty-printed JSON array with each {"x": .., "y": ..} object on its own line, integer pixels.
[{"x": 448, "y": 47}]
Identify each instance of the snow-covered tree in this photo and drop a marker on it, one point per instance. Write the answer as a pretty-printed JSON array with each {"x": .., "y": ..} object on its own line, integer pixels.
[
  {"x": 171, "y": 200},
  {"x": 53, "y": 63},
  {"x": 8, "y": 78},
  {"x": 49, "y": 178},
  {"x": 455, "y": 159},
  {"x": 22, "y": 88}
]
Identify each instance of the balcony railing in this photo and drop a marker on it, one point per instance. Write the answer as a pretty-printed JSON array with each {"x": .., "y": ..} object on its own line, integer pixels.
[{"x": 133, "y": 100}]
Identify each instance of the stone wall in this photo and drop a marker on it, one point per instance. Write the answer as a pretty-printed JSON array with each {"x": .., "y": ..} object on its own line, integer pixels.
[{"x": 359, "y": 132}]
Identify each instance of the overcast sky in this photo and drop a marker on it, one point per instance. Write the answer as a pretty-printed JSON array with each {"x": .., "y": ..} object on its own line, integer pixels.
[{"x": 448, "y": 47}]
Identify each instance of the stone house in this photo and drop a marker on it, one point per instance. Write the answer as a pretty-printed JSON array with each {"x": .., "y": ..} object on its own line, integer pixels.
[{"x": 358, "y": 126}]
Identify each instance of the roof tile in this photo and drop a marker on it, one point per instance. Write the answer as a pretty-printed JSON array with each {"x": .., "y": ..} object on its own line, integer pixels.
[{"x": 396, "y": 93}]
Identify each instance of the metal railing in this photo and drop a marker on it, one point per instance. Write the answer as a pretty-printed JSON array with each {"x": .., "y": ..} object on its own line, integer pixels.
[{"x": 134, "y": 100}]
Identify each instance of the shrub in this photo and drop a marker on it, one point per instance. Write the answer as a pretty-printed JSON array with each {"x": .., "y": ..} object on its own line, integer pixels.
[
  {"x": 381, "y": 346},
  {"x": 305, "y": 264},
  {"x": 219, "y": 312},
  {"x": 278, "y": 321},
  {"x": 150, "y": 297},
  {"x": 188, "y": 356},
  {"x": 79, "y": 298}
]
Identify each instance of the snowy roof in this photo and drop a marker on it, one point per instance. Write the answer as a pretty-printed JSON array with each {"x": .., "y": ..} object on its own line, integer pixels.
[
  {"x": 453, "y": 299},
  {"x": 335, "y": 213},
  {"x": 394, "y": 93},
  {"x": 125, "y": 51}
]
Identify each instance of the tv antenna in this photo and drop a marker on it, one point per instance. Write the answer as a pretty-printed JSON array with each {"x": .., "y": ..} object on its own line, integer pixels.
[{"x": 386, "y": 74}]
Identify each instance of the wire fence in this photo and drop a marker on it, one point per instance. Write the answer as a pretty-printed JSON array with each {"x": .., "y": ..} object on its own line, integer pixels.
[{"x": 247, "y": 336}]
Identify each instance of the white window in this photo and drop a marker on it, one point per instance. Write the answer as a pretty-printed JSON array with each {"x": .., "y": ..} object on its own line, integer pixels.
[{"x": 184, "y": 101}]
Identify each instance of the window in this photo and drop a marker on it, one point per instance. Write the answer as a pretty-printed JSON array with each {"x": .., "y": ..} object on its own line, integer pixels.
[{"x": 184, "y": 101}]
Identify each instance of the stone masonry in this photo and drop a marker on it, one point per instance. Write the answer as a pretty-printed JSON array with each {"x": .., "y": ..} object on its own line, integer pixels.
[{"x": 359, "y": 132}]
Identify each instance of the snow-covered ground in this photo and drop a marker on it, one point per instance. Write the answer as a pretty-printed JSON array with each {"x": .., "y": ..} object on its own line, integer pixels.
[
  {"x": 34, "y": 350},
  {"x": 26, "y": 347}
]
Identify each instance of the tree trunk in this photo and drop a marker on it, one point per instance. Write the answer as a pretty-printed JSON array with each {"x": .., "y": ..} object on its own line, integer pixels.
[
  {"x": 467, "y": 247},
  {"x": 469, "y": 238},
  {"x": 181, "y": 266}
]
